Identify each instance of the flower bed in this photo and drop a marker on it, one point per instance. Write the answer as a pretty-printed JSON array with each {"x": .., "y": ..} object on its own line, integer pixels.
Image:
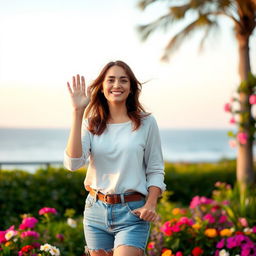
[
  {"x": 210, "y": 226},
  {"x": 224, "y": 225},
  {"x": 36, "y": 236}
]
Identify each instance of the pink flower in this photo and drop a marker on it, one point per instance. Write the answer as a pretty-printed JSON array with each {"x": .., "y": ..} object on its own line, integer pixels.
[
  {"x": 60, "y": 237},
  {"x": 252, "y": 99},
  {"x": 29, "y": 222},
  {"x": 36, "y": 245},
  {"x": 215, "y": 208},
  {"x": 47, "y": 210},
  {"x": 166, "y": 228},
  {"x": 232, "y": 120},
  {"x": 232, "y": 143},
  {"x": 225, "y": 202},
  {"x": 205, "y": 200},
  {"x": 221, "y": 243},
  {"x": 151, "y": 245},
  {"x": 2, "y": 237},
  {"x": 29, "y": 233},
  {"x": 223, "y": 219},
  {"x": 217, "y": 183},
  {"x": 175, "y": 228},
  {"x": 227, "y": 107},
  {"x": 209, "y": 218},
  {"x": 179, "y": 253},
  {"x": 254, "y": 229},
  {"x": 197, "y": 200},
  {"x": 185, "y": 220},
  {"x": 243, "y": 222},
  {"x": 242, "y": 137}
]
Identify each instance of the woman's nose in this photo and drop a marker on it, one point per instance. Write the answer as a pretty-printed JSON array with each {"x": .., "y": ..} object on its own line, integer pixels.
[{"x": 116, "y": 84}]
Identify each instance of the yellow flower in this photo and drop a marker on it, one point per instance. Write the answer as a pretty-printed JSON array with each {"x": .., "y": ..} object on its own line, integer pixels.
[
  {"x": 176, "y": 211},
  {"x": 9, "y": 243},
  {"x": 196, "y": 226},
  {"x": 203, "y": 208},
  {"x": 167, "y": 253},
  {"x": 211, "y": 232},
  {"x": 226, "y": 232}
]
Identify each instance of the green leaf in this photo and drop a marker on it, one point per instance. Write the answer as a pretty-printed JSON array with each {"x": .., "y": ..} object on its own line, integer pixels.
[{"x": 231, "y": 134}]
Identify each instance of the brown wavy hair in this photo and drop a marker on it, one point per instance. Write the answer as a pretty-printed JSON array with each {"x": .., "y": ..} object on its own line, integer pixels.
[{"x": 97, "y": 111}]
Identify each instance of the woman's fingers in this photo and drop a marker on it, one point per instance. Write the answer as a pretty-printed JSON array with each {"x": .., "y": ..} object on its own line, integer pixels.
[
  {"x": 74, "y": 83},
  {"x": 78, "y": 82},
  {"x": 146, "y": 214},
  {"x": 83, "y": 84},
  {"x": 78, "y": 85},
  {"x": 69, "y": 88}
]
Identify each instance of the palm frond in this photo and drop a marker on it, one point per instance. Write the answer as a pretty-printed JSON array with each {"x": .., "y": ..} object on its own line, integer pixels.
[
  {"x": 177, "y": 40},
  {"x": 162, "y": 22},
  {"x": 209, "y": 29},
  {"x": 145, "y": 3},
  {"x": 179, "y": 11}
]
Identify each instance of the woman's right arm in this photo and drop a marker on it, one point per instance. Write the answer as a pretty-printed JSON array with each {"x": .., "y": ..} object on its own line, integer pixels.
[
  {"x": 74, "y": 145},
  {"x": 80, "y": 100}
]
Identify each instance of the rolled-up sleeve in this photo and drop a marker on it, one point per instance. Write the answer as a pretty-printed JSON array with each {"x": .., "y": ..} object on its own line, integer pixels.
[
  {"x": 154, "y": 157},
  {"x": 73, "y": 164}
]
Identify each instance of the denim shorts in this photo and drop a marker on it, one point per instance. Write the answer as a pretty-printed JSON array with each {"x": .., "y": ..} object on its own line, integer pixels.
[{"x": 107, "y": 226}]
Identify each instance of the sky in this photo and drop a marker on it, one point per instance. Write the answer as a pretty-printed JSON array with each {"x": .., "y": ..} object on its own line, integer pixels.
[{"x": 44, "y": 43}]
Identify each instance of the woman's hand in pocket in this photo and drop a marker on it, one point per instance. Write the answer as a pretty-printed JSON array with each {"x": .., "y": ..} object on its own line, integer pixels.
[{"x": 147, "y": 213}]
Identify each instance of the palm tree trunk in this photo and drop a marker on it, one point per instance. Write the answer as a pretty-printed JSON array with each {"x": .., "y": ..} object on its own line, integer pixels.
[{"x": 244, "y": 172}]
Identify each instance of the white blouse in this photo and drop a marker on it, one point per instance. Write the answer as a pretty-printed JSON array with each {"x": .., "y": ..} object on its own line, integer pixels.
[{"x": 121, "y": 160}]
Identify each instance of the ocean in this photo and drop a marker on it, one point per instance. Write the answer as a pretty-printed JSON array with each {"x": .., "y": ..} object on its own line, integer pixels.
[{"x": 178, "y": 145}]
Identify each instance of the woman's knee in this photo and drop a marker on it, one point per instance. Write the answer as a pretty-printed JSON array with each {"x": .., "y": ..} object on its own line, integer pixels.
[{"x": 126, "y": 250}]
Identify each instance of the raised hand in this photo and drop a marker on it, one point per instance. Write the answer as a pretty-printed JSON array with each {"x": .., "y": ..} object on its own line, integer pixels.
[{"x": 79, "y": 96}]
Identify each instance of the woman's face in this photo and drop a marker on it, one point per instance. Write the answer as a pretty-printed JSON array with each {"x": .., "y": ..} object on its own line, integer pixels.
[{"x": 116, "y": 85}]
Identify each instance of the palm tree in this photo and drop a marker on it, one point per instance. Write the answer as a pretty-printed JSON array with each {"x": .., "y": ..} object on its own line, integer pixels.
[{"x": 206, "y": 13}]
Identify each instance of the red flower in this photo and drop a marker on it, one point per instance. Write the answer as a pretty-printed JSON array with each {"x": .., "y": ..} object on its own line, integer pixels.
[
  {"x": 27, "y": 248},
  {"x": 239, "y": 233},
  {"x": 197, "y": 251}
]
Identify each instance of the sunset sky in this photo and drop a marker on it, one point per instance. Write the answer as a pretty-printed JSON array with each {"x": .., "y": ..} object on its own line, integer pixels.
[{"x": 44, "y": 43}]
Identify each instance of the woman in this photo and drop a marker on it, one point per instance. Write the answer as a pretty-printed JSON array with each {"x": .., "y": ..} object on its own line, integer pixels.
[{"x": 125, "y": 175}]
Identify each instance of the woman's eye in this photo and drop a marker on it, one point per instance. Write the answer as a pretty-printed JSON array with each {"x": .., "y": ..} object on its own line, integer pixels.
[
  {"x": 124, "y": 81},
  {"x": 111, "y": 80}
]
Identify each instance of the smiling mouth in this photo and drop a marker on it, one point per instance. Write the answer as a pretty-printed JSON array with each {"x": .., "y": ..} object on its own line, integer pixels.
[{"x": 117, "y": 93}]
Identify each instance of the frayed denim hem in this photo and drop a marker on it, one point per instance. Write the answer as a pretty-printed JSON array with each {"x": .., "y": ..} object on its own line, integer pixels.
[{"x": 87, "y": 250}]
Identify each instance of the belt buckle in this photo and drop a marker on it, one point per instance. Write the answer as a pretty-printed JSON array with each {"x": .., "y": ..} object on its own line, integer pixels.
[{"x": 105, "y": 198}]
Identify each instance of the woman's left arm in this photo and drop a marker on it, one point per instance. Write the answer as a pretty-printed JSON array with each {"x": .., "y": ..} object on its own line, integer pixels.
[
  {"x": 148, "y": 211},
  {"x": 154, "y": 163}
]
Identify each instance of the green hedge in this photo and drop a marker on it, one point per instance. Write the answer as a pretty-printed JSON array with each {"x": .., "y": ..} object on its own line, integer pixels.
[
  {"x": 23, "y": 192},
  {"x": 187, "y": 180}
]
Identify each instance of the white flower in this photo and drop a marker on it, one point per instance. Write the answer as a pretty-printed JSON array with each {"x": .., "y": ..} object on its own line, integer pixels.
[
  {"x": 45, "y": 247},
  {"x": 10, "y": 234},
  {"x": 55, "y": 251},
  {"x": 223, "y": 252},
  {"x": 237, "y": 255},
  {"x": 71, "y": 222},
  {"x": 247, "y": 230}
]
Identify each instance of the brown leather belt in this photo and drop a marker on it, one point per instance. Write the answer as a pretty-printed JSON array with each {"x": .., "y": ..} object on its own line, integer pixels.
[{"x": 115, "y": 198}]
